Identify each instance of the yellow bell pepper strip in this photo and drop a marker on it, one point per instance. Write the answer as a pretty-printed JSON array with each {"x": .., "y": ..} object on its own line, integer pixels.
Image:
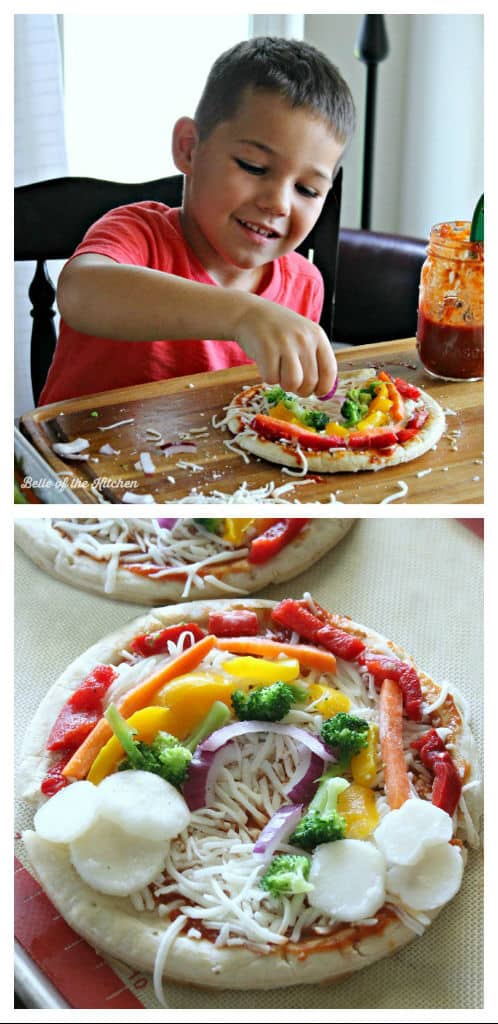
[
  {"x": 141, "y": 695},
  {"x": 357, "y": 806},
  {"x": 235, "y": 530},
  {"x": 398, "y": 406},
  {"x": 327, "y": 701},
  {"x": 280, "y": 412},
  {"x": 365, "y": 765},
  {"x": 373, "y": 419},
  {"x": 189, "y": 697},
  {"x": 337, "y": 429},
  {"x": 146, "y": 723},
  {"x": 380, "y": 403},
  {"x": 258, "y": 670},
  {"x": 308, "y": 657}
]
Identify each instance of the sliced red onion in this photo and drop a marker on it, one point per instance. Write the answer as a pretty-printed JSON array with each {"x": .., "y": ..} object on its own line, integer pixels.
[
  {"x": 176, "y": 449},
  {"x": 331, "y": 393},
  {"x": 218, "y": 738},
  {"x": 211, "y": 754},
  {"x": 167, "y": 524},
  {"x": 277, "y": 830},
  {"x": 304, "y": 785}
]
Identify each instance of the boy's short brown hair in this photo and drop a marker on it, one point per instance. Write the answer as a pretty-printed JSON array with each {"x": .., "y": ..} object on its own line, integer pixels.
[{"x": 295, "y": 70}]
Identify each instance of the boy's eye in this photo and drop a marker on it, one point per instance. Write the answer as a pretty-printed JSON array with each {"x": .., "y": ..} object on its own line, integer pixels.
[
  {"x": 311, "y": 193},
  {"x": 250, "y": 168}
]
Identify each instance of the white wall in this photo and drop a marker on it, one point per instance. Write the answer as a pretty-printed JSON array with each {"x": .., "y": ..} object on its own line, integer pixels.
[
  {"x": 428, "y": 161},
  {"x": 442, "y": 170}
]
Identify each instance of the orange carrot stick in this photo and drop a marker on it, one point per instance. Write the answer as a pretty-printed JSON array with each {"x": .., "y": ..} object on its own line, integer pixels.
[
  {"x": 310, "y": 657},
  {"x": 397, "y": 410},
  {"x": 141, "y": 695},
  {"x": 396, "y": 781}
]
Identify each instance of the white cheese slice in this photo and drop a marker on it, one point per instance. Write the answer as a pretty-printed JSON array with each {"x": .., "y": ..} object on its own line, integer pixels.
[
  {"x": 404, "y": 834},
  {"x": 68, "y": 814},
  {"x": 112, "y": 861},
  {"x": 143, "y": 804},
  {"x": 348, "y": 878},
  {"x": 432, "y": 881}
]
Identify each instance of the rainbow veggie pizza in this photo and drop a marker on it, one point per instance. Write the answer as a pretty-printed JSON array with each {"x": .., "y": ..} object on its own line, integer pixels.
[
  {"x": 152, "y": 561},
  {"x": 371, "y": 421},
  {"x": 249, "y": 794}
]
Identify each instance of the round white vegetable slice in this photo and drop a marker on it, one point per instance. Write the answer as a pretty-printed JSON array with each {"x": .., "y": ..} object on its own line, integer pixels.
[
  {"x": 432, "y": 881},
  {"x": 113, "y": 861},
  {"x": 68, "y": 814},
  {"x": 403, "y": 835},
  {"x": 349, "y": 879},
  {"x": 143, "y": 804}
]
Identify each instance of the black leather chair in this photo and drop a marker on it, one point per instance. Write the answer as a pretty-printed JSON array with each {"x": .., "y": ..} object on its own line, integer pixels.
[
  {"x": 376, "y": 286},
  {"x": 51, "y": 217},
  {"x": 371, "y": 279}
]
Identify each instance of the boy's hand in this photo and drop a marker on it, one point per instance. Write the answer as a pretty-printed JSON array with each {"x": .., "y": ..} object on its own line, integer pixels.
[{"x": 289, "y": 349}]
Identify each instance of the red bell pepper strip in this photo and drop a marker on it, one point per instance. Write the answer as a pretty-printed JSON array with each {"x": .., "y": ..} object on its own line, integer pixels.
[
  {"x": 418, "y": 419},
  {"x": 276, "y": 430},
  {"x": 382, "y": 667},
  {"x": 82, "y": 710},
  {"x": 447, "y": 785},
  {"x": 296, "y": 616},
  {"x": 54, "y": 779},
  {"x": 157, "y": 643},
  {"x": 372, "y": 439},
  {"x": 406, "y": 389},
  {"x": 406, "y": 435},
  {"x": 240, "y": 622},
  {"x": 71, "y": 728},
  {"x": 272, "y": 540},
  {"x": 89, "y": 696}
]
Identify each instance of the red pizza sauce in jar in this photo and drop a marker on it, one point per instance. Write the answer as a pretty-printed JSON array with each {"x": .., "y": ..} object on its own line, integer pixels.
[{"x": 450, "y": 327}]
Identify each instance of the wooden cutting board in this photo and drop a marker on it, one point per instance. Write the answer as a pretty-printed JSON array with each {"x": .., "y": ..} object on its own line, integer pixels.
[{"x": 452, "y": 473}]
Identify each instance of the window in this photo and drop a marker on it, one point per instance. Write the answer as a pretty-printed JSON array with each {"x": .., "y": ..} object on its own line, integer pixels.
[{"x": 127, "y": 78}]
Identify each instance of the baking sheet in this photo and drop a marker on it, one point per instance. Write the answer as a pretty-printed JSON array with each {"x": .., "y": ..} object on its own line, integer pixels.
[
  {"x": 417, "y": 581},
  {"x": 450, "y": 472}
]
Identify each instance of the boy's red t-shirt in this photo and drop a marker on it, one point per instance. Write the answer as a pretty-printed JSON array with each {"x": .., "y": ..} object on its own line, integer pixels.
[{"x": 149, "y": 234}]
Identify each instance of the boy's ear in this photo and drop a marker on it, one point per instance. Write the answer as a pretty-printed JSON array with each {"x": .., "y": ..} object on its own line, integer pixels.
[{"x": 185, "y": 139}]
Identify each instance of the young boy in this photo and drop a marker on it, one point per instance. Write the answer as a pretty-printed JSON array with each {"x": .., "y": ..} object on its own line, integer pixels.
[{"x": 257, "y": 159}]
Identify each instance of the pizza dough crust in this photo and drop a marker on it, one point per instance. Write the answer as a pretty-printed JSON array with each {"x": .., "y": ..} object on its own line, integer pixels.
[
  {"x": 111, "y": 925},
  {"x": 340, "y": 460},
  {"x": 43, "y": 544}
]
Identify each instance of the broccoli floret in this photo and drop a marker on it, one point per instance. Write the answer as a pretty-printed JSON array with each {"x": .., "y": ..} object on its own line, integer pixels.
[
  {"x": 287, "y": 874},
  {"x": 357, "y": 401},
  {"x": 322, "y": 823},
  {"x": 211, "y": 525},
  {"x": 166, "y": 755},
  {"x": 347, "y": 735},
  {"x": 315, "y": 419},
  {"x": 276, "y": 394},
  {"x": 268, "y": 703}
]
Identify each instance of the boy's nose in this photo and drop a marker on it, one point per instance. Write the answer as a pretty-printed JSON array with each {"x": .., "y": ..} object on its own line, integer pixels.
[{"x": 275, "y": 199}]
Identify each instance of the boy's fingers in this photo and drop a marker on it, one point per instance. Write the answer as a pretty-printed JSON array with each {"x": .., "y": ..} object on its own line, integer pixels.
[
  {"x": 327, "y": 368},
  {"x": 291, "y": 373},
  {"x": 269, "y": 367}
]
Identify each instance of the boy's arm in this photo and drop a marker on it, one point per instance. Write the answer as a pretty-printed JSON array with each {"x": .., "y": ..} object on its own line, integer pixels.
[{"x": 100, "y": 297}]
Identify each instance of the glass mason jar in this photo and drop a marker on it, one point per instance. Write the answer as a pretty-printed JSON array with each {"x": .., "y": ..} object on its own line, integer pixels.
[{"x": 450, "y": 326}]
